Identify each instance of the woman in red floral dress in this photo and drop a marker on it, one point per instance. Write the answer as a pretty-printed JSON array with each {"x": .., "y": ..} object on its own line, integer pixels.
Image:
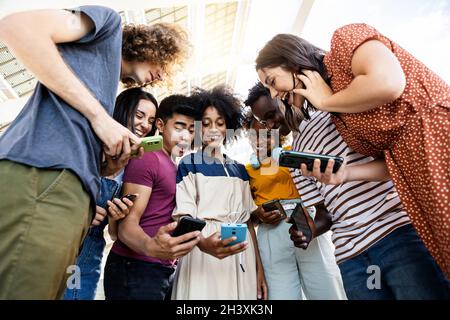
[{"x": 385, "y": 103}]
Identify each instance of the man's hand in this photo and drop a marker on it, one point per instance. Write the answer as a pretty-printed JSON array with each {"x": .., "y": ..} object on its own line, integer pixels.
[
  {"x": 117, "y": 139},
  {"x": 119, "y": 209},
  {"x": 114, "y": 165},
  {"x": 100, "y": 215},
  {"x": 216, "y": 247},
  {"x": 164, "y": 246},
  {"x": 270, "y": 217},
  {"x": 298, "y": 238}
]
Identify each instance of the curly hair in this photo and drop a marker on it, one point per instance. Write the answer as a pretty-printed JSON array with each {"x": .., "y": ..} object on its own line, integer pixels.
[
  {"x": 163, "y": 44},
  {"x": 256, "y": 92},
  {"x": 224, "y": 100}
]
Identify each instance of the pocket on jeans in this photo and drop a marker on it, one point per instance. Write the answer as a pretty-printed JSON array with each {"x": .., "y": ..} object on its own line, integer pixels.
[{"x": 51, "y": 184}]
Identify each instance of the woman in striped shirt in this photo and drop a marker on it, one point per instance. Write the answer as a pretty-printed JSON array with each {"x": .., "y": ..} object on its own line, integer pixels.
[{"x": 377, "y": 250}]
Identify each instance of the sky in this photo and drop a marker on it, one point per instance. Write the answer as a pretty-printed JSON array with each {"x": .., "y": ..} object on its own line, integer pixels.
[{"x": 421, "y": 27}]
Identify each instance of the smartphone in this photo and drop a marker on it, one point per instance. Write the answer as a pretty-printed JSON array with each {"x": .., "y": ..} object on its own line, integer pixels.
[
  {"x": 229, "y": 230},
  {"x": 293, "y": 159},
  {"x": 154, "y": 143},
  {"x": 274, "y": 205},
  {"x": 188, "y": 224},
  {"x": 130, "y": 196},
  {"x": 302, "y": 221}
]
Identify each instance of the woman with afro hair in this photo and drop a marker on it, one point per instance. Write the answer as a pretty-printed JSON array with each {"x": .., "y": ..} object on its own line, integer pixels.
[{"x": 215, "y": 188}]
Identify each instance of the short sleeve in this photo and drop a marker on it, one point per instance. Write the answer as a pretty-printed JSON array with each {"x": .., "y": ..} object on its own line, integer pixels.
[
  {"x": 186, "y": 192},
  {"x": 142, "y": 171},
  {"x": 309, "y": 193},
  {"x": 107, "y": 22},
  {"x": 348, "y": 38}
]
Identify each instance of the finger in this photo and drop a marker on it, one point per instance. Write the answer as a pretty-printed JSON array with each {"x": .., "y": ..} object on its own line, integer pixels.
[
  {"x": 305, "y": 171},
  {"x": 112, "y": 206},
  {"x": 134, "y": 139},
  {"x": 95, "y": 223},
  {"x": 115, "y": 214},
  {"x": 328, "y": 171},
  {"x": 141, "y": 153},
  {"x": 317, "y": 75},
  {"x": 117, "y": 150},
  {"x": 186, "y": 237},
  {"x": 184, "y": 248},
  {"x": 122, "y": 206},
  {"x": 168, "y": 228},
  {"x": 306, "y": 81},
  {"x": 227, "y": 241},
  {"x": 126, "y": 147},
  {"x": 128, "y": 202},
  {"x": 302, "y": 92},
  {"x": 100, "y": 210},
  {"x": 316, "y": 169}
]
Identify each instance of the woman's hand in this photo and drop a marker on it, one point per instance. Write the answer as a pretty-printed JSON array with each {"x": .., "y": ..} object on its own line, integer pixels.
[
  {"x": 262, "y": 288},
  {"x": 269, "y": 217},
  {"x": 119, "y": 209},
  {"x": 100, "y": 215},
  {"x": 216, "y": 247},
  {"x": 316, "y": 90},
  {"x": 327, "y": 177}
]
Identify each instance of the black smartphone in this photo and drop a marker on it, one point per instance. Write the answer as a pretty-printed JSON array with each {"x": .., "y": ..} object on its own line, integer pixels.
[
  {"x": 293, "y": 159},
  {"x": 302, "y": 221},
  {"x": 273, "y": 205},
  {"x": 130, "y": 196},
  {"x": 188, "y": 224}
]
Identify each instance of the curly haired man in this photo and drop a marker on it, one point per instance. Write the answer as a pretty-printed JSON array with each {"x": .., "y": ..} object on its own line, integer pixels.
[{"x": 51, "y": 154}]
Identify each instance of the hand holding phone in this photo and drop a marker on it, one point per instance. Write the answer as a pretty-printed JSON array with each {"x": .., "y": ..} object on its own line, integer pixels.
[
  {"x": 188, "y": 224},
  {"x": 274, "y": 205},
  {"x": 229, "y": 230},
  {"x": 293, "y": 159},
  {"x": 154, "y": 143}
]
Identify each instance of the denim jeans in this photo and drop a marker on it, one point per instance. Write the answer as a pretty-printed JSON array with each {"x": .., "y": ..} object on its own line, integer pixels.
[
  {"x": 90, "y": 257},
  {"x": 404, "y": 267},
  {"x": 131, "y": 279}
]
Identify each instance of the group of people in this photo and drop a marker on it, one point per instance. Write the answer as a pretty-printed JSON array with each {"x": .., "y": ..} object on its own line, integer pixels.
[{"x": 73, "y": 153}]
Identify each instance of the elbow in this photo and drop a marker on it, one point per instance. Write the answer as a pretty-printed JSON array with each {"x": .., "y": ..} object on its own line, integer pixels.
[
  {"x": 391, "y": 86},
  {"x": 8, "y": 25}
]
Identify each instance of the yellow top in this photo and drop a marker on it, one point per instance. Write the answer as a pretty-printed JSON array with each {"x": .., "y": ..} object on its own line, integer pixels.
[{"x": 271, "y": 182}]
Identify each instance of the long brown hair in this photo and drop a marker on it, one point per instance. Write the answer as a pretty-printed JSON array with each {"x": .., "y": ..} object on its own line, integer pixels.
[{"x": 293, "y": 54}]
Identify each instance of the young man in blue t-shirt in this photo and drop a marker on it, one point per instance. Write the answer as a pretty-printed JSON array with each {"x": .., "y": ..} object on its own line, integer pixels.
[{"x": 51, "y": 156}]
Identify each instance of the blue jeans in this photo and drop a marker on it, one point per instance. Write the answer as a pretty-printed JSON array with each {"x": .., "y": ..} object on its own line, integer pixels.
[
  {"x": 90, "y": 258},
  {"x": 406, "y": 270},
  {"x": 131, "y": 279}
]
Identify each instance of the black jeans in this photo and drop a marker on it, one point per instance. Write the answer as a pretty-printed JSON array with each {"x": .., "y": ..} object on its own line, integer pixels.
[{"x": 131, "y": 279}]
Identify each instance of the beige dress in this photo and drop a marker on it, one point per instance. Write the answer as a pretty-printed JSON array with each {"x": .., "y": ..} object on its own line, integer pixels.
[{"x": 216, "y": 193}]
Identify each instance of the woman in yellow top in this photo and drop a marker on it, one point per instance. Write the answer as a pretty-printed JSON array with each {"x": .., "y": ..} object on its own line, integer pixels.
[{"x": 291, "y": 273}]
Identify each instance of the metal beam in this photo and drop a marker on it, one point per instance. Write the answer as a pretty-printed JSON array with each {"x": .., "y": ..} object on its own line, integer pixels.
[
  {"x": 240, "y": 27},
  {"x": 302, "y": 15}
]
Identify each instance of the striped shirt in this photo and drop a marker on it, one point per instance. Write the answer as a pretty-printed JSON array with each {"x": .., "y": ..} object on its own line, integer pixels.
[{"x": 362, "y": 212}]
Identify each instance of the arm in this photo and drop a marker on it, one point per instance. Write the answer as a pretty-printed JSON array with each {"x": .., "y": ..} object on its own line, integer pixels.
[
  {"x": 378, "y": 79},
  {"x": 117, "y": 210},
  {"x": 262, "y": 284},
  {"x": 34, "y": 44},
  {"x": 162, "y": 245},
  {"x": 375, "y": 170}
]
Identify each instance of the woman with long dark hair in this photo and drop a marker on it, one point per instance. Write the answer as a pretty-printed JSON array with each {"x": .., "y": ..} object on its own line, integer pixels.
[
  {"x": 134, "y": 109},
  {"x": 386, "y": 104}
]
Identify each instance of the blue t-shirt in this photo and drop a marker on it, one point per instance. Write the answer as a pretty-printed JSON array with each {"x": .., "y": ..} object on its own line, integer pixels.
[{"x": 48, "y": 133}]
